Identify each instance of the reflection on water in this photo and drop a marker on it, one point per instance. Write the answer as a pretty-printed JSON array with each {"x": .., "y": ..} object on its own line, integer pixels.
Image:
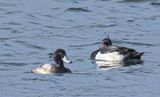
[{"x": 105, "y": 65}]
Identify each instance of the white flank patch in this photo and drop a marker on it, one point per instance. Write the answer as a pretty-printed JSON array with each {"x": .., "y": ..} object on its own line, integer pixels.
[
  {"x": 44, "y": 69},
  {"x": 113, "y": 56}
]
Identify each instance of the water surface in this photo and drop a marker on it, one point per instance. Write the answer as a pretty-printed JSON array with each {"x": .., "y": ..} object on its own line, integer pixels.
[{"x": 30, "y": 29}]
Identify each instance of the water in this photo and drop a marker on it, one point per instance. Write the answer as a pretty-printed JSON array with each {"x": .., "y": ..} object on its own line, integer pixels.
[{"x": 30, "y": 29}]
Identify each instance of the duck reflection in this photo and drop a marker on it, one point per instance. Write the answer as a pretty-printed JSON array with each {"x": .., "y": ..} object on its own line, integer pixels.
[{"x": 106, "y": 65}]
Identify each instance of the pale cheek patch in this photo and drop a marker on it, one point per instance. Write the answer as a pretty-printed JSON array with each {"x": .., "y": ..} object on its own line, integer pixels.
[{"x": 65, "y": 59}]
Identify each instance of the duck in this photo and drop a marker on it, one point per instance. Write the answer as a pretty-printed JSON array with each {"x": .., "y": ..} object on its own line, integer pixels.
[
  {"x": 59, "y": 57},
  {"x": 109, "y": 52}
]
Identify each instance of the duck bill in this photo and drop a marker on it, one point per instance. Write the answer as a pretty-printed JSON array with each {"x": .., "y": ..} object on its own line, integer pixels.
[{"x": 66, "y": 59}]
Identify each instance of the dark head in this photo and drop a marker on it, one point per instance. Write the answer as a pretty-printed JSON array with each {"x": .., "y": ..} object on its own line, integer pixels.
[
  {"x": 60, "y": 56},
  {"x": 106, "y": 42}
]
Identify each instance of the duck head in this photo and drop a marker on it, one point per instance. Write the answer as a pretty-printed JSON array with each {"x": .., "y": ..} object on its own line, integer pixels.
[
  {"x": 106, "y": 42},
  {"x": 60, "y": 56}
]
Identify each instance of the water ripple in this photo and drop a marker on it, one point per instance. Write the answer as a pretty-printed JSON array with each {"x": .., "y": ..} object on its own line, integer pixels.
[
  {"x": 53, "y": 27},
  {"x": 39, "y": 79},
  {"x": 12, "y": 12},
  {"x": 136, "y": 1},
  {"x": 84, "y": 45},
  {"x": 6, "y": 4},
  {"x": 5, "y": 69},
  {"x": 7, "y": 55},
  {"x": 16, "y": 31},
  {"x": 35, "y": 23},
  {"x": 13, "y": 64},
  {"x": 14, "y": 23},
  {"x": 32, "y": 16},
  {"x": 6, "y": 28},
  {"x": 156, "y": 4},
  {"x": 3, "y": 39},
  {"x": 30, "y": 45},
  {"x": 78, "y": 9},
  {"x": 103, "y": 26},
  {"x": 135, "y": 43}
]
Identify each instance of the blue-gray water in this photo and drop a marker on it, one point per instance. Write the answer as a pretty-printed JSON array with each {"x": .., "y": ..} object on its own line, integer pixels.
[{"x": 30, "y": 29}]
